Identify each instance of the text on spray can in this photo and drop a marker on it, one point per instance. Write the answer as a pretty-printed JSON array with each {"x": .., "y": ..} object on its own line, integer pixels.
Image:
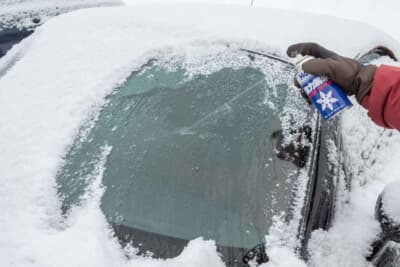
[{"x": 325, "y": 95}]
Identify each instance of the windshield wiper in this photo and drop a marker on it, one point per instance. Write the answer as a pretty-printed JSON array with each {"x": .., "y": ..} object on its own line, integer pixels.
[{"x": 270, "y": 56}]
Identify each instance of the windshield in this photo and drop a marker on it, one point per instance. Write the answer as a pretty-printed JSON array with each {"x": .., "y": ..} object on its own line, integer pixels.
[{"x": 191, "y": 155}]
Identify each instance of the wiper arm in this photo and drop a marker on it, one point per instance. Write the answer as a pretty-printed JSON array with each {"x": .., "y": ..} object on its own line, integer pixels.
[{"x": 270, "y": 56}]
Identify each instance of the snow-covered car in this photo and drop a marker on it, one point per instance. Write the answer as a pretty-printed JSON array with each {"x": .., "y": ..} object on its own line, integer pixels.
[{"x": 175, "y": 131}]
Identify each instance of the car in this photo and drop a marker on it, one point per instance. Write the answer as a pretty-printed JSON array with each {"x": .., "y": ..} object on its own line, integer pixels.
[{"x": 194, "y": 136}]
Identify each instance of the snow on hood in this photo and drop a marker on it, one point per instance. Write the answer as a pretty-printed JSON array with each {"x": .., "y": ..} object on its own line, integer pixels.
[{"x": 62, "y": 74}]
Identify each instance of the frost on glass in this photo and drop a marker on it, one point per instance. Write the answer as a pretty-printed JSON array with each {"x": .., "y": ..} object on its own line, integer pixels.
[{"x": 202, "y": 148}]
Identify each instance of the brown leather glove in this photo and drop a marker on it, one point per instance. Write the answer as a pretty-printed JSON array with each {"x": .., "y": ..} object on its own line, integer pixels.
[{"x": 351, "y": 76}]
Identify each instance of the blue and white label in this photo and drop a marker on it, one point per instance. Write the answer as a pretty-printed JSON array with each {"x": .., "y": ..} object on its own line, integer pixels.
[
  {"x": 303, "y": 77},
  {"x": 326, "y": 96},
  {"x": 314, "y": 83}
]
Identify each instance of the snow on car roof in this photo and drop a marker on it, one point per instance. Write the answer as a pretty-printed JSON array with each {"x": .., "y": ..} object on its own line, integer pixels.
[
  {"x": 372, "y": 12},
  {"x": 62, "y": 74}
]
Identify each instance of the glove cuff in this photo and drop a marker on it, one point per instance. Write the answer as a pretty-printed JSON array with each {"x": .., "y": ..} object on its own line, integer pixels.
[{"x": 364, "y": 80}]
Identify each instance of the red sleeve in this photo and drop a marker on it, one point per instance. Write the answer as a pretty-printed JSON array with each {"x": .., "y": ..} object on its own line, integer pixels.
[{"x": 383, "y": 102}]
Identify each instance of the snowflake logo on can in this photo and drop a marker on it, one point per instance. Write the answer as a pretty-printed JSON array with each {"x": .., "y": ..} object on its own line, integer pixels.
[{"x": 326, "y": 100}]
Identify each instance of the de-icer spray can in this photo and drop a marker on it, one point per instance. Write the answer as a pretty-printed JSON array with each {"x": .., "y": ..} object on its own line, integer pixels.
[{"x": 325, "y": 95}]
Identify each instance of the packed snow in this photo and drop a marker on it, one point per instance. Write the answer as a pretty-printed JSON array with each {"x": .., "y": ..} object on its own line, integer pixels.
[{"x": 67, "y": 67}]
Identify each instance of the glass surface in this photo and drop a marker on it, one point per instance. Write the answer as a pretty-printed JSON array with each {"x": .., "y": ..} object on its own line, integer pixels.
[{"x": 191, "y": 156}]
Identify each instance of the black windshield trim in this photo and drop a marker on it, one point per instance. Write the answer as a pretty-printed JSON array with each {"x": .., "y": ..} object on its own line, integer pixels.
[{"x": 162, "y": 246}]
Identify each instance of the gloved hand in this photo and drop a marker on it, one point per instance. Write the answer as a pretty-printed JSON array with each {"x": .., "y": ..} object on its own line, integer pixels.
[{"x": 351, "y": 76}]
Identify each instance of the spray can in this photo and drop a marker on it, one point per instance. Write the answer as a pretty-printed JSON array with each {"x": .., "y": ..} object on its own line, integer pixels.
[{"x": 326, "y": 96}]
